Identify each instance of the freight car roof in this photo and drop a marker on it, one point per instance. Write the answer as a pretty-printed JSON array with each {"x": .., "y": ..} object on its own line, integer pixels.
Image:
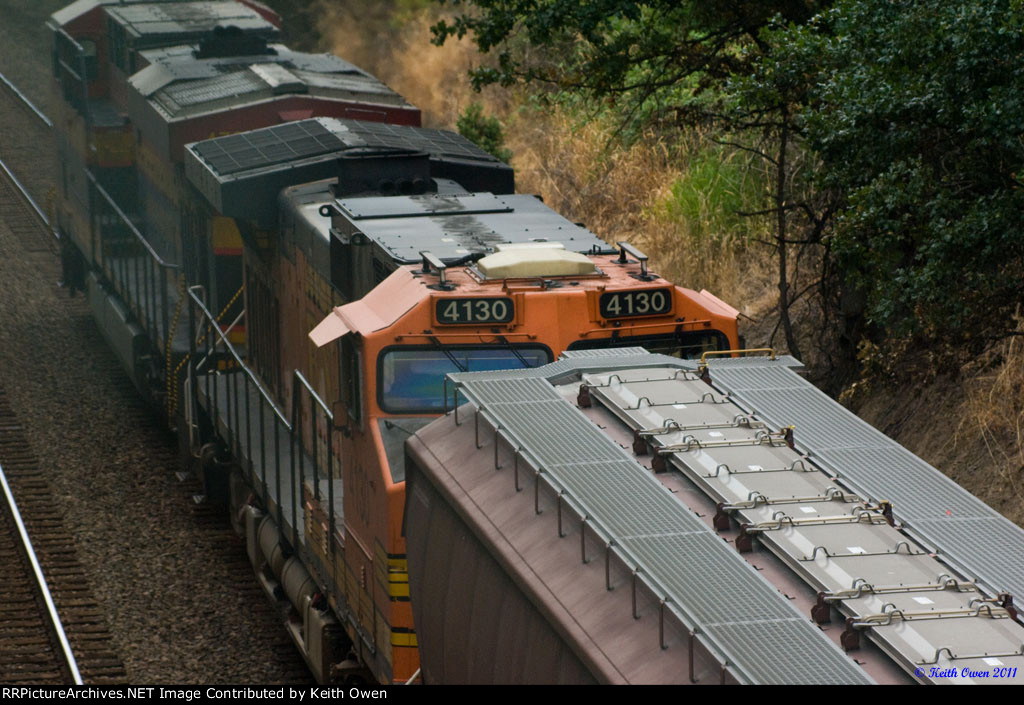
[
  {"x": 180, "y": 85},
  {"x": 242, "y": 174},
  {"x": 164, "y": 20},
  {"x": 741, "y": 616},
  {"x": 897, "y": 600}
]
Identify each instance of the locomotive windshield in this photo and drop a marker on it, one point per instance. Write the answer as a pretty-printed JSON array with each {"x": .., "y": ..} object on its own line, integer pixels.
[
  {"x": 410, "y": 379},
  {"x": 687, "y": 345}
]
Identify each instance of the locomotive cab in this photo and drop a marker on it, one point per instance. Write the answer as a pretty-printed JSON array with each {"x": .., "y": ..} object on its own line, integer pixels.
[
  {"x": 407, "y": 255},
  {"x": 516, "y": 308}
]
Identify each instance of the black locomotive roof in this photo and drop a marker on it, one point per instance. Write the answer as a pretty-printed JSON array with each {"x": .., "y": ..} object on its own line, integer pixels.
[
  {"x": 454, "y": 227},
  {"x": 241, "y": 174},
  {"x": 272, "y": 146},
  {"x": 184, "y": 19},
  {"x": 179, "y": 84}
]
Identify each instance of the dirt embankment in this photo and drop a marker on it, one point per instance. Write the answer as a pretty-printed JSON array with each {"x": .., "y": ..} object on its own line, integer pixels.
[{"x": 971, "y": 428}]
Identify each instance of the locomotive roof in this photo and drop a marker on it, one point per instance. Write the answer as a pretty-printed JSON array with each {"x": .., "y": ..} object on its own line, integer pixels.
[
  {"x": 71, "y": 12},
  {"x": 188, "y": 18},
  {"x": 180, "y": 85},
  {"x": 455, "y": 226},
  {"x": 135, "y": 11},
  {"x": 235, "y": 172},
  {"x": 325, "y": 138}
]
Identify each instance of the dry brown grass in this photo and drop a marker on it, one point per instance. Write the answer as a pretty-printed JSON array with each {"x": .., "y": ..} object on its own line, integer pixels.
[
  {"x": 621, "y": 194},
  {"x": 993, "y": 410},
  {"x": 400, "y": 54},
  {"x": 618, "y": 192}
]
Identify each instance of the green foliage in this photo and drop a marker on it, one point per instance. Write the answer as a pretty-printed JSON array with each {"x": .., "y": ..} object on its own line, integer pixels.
[
  {"x": 651, "y": 59},
  {"x": 666, "y": 61},
  {"x": 891, "y": 132},
  {"x": 483, "y": 131},
  {"x": 716, "y": 187},
  {"x": 917, "y": 111}
]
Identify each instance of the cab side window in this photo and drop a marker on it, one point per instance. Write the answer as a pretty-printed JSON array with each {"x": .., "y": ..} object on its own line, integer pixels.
[{"x": 89, "y": 59}]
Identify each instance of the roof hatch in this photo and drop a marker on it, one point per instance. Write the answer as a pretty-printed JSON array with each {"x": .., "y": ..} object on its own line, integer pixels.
[{"x": 535, "y": 259}]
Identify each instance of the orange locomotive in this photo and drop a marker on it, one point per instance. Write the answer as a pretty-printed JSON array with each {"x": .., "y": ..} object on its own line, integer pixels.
[
  {"x": 485, "y": 321},
  {"x": 403, "y": 250},
  {"x": 357, "y": 305}
]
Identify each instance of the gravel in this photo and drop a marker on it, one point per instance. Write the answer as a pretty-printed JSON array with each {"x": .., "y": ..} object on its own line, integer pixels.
[{"x": 181, "y": 599}]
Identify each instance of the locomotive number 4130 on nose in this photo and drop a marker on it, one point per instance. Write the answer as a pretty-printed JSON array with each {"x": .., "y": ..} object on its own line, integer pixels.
[
  {"x": 647, "y": 302},
  {"x": 475, "y": 310}
]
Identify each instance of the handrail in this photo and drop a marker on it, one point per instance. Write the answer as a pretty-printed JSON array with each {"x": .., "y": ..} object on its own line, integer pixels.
[
  {"x": 626, "y": 555},
  {"x": 127, "y": 221},
  {"x": 290, "y": 470},
  {"x": 70, "y": 40},
  {"x": 51, "y": 609},
  {"x": 234, "y": 353},
  {"x": 316, "y": 397},
  {"x": 718, "y": 353}
]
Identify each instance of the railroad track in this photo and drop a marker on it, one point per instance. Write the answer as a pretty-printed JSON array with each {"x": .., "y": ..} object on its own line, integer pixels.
[
  {"x": 33, "y": 649},
  {"x": 26, "y": 134},
  {"x": 38, "y": 114},
  {"x": 268, "y": 652},
  {"x": 21, "y": 214}
]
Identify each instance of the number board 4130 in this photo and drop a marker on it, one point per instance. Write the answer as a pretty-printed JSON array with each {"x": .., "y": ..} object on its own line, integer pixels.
[
  {"x": 626, "y": 304},
  {"x": 474, "y": 311}
]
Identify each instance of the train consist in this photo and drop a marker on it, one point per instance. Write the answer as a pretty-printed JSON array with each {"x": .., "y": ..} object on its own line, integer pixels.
[
  {"x": 288, "y": 266},
  {"x": 651, "y": 519}
]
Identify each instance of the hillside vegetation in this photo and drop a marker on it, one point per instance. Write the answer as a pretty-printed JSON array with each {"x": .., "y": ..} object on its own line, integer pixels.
[{"x": 845, "y": 173}]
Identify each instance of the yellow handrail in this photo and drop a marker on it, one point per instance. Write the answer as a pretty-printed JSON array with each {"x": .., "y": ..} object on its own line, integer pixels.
[{"x": 704, "y": 356}]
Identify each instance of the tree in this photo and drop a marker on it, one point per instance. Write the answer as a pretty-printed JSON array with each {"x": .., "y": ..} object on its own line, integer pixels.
[
  {"x": 676, "y": 62},
  {"x": 483, "y": 131},
  {"x": 917, "y": 112}
]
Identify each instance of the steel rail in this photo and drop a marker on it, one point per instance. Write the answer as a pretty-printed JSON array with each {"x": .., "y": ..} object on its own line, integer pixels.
[
  {"x": 25, "y": 101},
  {"x": 27, "y": 198},
  {"x": 69, "y": 657}
]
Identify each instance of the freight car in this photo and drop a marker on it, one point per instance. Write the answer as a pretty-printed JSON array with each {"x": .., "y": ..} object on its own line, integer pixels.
[
  {"x": 292, "y": 295},
  {"x": 609, "y": 506}
]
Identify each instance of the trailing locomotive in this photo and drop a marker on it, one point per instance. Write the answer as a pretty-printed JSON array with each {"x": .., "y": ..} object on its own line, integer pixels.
[
  {"x": 288, "y": 267},
  {"x": 137, "y": 82}
]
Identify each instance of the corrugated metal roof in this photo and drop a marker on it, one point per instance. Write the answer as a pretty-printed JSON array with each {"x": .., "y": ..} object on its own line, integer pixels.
[
  {"x": 944, "y": 514},
  {"x": 943, "y": 517},
  {"x": 707, "y": 583},
  {"x": 831, "y": 537}
]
